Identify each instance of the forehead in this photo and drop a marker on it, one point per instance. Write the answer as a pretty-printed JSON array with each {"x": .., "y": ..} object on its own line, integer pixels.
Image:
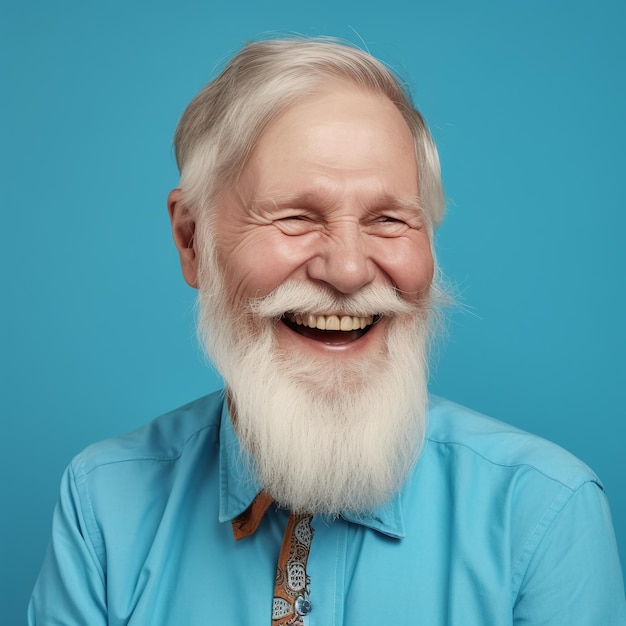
[{"x": 340, "y": 138}]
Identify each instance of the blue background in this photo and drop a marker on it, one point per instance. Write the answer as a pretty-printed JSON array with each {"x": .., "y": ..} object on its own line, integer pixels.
[{"x": 526, "y": 101}]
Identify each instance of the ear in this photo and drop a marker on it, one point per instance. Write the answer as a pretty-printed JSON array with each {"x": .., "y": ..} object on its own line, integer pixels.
[{"x": 183, "y": 230}]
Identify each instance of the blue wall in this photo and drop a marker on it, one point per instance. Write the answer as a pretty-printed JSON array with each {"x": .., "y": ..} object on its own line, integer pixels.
[{"x": 526, "y": 101}]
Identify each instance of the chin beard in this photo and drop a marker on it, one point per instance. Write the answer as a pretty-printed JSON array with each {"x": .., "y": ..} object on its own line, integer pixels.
[{"x": 323, "y": 435}]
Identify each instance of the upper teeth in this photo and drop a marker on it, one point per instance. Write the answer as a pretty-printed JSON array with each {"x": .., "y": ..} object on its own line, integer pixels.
[{"x": 331, "y": 322}]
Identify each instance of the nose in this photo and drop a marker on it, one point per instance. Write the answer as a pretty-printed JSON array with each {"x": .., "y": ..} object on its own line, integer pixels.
[{"x": 343, "y": 260}]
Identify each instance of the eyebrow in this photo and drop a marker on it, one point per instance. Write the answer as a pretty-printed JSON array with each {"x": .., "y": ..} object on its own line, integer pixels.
[{"x": 313, "y": 200}]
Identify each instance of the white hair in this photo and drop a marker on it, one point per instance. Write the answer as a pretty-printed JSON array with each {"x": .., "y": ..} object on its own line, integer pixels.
[
  {"x": 222, "y": 124},
  {"x": 323, "y": 435}
]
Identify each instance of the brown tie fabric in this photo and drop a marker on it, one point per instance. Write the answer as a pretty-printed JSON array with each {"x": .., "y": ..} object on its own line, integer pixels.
[{"x": 291, "y": 588}]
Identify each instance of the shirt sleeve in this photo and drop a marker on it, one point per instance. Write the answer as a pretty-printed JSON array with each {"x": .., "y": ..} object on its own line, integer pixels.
[
  {"x": 70, "y": 590},
  {"x": 574, "y": 576}
]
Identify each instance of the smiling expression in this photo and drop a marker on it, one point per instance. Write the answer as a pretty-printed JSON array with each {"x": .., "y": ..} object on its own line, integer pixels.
[{"x": 329, "y": 196}]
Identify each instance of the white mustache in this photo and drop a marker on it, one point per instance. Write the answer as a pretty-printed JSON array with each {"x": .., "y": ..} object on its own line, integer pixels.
[{"x": 309, "y": 298}]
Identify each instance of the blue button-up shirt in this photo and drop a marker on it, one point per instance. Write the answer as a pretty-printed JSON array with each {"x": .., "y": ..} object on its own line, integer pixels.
[{"x": 493, "y": 527}]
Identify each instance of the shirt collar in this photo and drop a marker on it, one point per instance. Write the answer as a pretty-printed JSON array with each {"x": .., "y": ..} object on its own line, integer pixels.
[
  {"x": 239, "y": 486},
  {"x": 386, "y": 518}
]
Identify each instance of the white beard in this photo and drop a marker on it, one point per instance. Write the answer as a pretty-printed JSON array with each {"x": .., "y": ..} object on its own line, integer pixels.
[{"x": 324, "y": 435}]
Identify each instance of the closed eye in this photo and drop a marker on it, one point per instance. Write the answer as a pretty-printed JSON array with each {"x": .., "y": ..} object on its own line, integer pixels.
[
  {"x": 296, "y": 224},
  {"x": 390, "y": 219},
  {"x": 388, "y": 226}
]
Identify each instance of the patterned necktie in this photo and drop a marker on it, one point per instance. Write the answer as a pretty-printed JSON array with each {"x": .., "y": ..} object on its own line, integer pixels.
[{"x": 291, "y": 588}]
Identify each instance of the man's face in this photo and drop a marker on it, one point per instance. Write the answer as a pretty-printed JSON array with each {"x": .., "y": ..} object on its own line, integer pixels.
[
  {"x": 314, "y": 301},
  {"x": 328, "y": 196}
]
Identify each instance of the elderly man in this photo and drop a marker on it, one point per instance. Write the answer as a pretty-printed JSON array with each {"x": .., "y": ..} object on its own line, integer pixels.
[{"x": 323, "y": 486}]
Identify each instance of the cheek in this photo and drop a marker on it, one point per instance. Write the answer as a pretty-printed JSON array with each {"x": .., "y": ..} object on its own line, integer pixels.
[
  {"x": 257, "y": 265},
  {"x": 420, "y": 275},
  {"x": 410, "y": 268}
]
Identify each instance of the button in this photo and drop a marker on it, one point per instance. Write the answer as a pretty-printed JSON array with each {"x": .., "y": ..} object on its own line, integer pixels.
[{"x": 303, "y": 606}]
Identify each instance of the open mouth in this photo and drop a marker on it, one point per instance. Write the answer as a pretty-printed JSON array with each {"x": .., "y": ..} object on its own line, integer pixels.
[{"x": 330, "y": 329}]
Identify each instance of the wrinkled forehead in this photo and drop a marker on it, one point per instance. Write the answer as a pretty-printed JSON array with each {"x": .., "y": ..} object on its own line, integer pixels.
[
  {"x": 342, "y": 133},
  {"x": 350, "y": 112}
]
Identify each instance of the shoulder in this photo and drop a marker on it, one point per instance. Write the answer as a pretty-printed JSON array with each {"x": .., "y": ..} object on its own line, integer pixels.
[
  {"x": 490, "y": 442},
  {"x": 520, "y": 506},
  {"x": 511, "y": 489},
  {"x": 115, "y": 494},
  {"x": 166, "y": 438}
]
